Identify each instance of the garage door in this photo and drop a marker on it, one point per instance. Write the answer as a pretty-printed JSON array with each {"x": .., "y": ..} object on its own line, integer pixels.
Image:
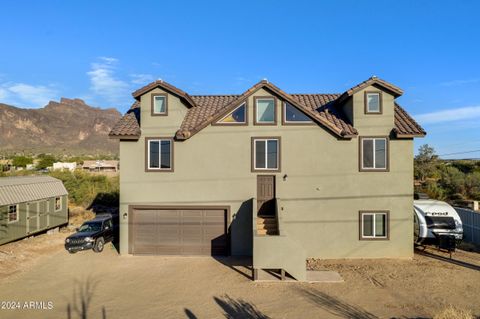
[{"x": 187, "y": 231}]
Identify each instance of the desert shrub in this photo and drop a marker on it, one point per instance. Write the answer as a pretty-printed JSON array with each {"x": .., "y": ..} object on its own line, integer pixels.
[
  {"x": 452, "y": 312},
  {"x": 452, "y": 180},
  {"x": 472, "y": 185},
  {"x": 434, "y": 191},
  {"x": 84, "y": 188}
]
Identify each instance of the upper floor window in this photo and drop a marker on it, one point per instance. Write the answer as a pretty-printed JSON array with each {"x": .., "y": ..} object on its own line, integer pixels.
[
  {"x": 373, "y": 154},
  {"x": 13, "y": 215},
  {"x": 373, "y": 102},
  {"x": 294, "y": 115},
  {"x": 265, "y": 112},
  {"x": 374, "y": 225},
  {"x": 159, "y": 104},
  {"x": 266, "y": 154},
  {"x": 58, "y": 203},
  {"x": 159, "y": 154},
  {"x": 237, "y": 116}
]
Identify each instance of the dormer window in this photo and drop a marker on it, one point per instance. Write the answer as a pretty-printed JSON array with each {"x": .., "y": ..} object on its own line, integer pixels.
[
  {"x": 293, "y": 115},
  {"x": 237, "y": 116},
  {"x": 373, "y": 103},
  {"x": 159, "y": 104},
  {"x": 265, "y": 111}
]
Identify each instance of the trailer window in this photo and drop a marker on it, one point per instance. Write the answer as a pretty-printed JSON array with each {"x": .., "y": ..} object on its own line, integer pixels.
[
  {"x": 374, "y": 225},
  {"x": 13, "y": 215}
]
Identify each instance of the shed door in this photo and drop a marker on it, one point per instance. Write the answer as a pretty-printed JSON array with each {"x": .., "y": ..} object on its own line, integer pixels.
[
  {"x": 33, "y": 220},
  {"x": 157, "y": 231}
]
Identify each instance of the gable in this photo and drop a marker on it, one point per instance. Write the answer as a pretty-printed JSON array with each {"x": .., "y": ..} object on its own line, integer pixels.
[{"x": 204, "y": 110}]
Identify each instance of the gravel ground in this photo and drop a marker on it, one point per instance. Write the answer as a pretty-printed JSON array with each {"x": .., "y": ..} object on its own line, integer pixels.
[{"x": 201, "y": 287}]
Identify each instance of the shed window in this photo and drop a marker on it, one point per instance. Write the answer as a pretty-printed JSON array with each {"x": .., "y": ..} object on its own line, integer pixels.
[
  {"x": 374, "y": 153},
  {"x": 58, "y": 203},
  {"x": 265, "y": 109},
  {"x": 373, "y": 225},
  {"x": 159, "y": 155},
  {"x": 373, "y": 103},
  {"x": 13, "y": 215}
]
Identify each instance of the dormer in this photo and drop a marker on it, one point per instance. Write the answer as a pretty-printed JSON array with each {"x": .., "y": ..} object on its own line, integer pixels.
[{"x": 370, "y": 106}]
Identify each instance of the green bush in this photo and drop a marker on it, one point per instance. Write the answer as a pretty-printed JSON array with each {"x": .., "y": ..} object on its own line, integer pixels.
[{"x": 84, "y": 188}]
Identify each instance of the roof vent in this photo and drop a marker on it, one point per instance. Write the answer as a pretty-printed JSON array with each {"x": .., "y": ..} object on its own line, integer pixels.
[
  {"x": 374, "y": 77},
  {"x": 265, "y": 80},
  {"x": 160, "y": 80}
]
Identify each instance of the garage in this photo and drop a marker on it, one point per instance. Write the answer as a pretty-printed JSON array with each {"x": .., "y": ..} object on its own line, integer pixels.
[{"x": 187, "y": 231}]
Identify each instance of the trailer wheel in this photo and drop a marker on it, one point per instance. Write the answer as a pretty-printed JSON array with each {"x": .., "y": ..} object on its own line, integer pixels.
[{"x": 99, "y": 244}]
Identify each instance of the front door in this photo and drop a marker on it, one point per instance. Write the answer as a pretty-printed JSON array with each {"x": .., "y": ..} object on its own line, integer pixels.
[{"x": 266, "y": 194}]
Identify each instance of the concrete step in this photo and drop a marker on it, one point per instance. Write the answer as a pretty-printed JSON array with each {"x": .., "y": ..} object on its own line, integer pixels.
[{"x": 267, "y": 232}]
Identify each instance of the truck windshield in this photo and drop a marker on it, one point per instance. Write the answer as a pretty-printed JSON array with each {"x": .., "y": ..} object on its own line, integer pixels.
[{"x": 89, "y": 227}]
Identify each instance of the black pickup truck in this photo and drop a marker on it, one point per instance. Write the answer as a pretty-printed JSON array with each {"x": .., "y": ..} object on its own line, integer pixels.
[{"x": 93, "y": 234}]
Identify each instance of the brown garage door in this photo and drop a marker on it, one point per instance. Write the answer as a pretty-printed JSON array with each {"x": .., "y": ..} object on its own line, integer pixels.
[{"x": 178, "y": 231}]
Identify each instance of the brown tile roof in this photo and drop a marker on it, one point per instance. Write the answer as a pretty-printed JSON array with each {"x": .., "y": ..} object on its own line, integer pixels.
[
  {"x": 323, "y": 108},
  {"x": 371, "y": 81},
  {"x": 167, "y": 87},
  {"x": 129, "y": 125},
  {"x": 405, "y": 125}
]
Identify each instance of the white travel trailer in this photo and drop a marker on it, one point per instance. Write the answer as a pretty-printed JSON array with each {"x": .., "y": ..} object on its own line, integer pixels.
[{"x": 433, "y": 218}]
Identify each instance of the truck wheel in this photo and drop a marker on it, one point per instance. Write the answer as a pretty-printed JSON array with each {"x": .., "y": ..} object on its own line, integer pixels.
[
  {"x": 98, "y": 248},
  {"x": 72, "y": 251}
]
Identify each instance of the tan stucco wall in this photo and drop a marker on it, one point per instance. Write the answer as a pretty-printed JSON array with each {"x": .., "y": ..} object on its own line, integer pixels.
[{"x": 321, "y": 196}]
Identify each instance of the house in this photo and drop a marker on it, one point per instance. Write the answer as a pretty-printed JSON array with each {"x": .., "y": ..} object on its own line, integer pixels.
[
  {"x": 71, "y": 166},
  {"x": 100, "y": 166},
  {"x": 282, "y": 177},
  {"x": 31, "y": 204}
]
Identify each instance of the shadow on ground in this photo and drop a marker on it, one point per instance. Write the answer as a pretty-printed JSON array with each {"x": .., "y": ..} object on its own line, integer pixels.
[
  {"x": 241, "y": 265},
  {"x": 448, "y": 260},
  {"x": 83, "y": 292},
  {"x": 335, "y": 306},
  {"x": 239, "y": 309}
]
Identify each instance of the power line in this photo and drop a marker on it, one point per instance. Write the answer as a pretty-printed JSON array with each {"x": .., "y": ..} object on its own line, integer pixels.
[{"x": 466, "y": 152}]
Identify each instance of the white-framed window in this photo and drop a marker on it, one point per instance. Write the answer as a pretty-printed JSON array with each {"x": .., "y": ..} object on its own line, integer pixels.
[
  {"x": 374, "y": 225},
  {"x": 265, "y": 110},
  {"x": 294, "y": 115},
  {"x": 237, "y": 116},
  {"x": 58, "y": 204},
  {"x": 373, "y": 103},
  {"x": 159, "y": 154},
  {"x": 374, "y": 153},
  {"x": 266, "y": 154},
  {"x": 159, "y": 104},
  {"x": 13, "y": 214}
]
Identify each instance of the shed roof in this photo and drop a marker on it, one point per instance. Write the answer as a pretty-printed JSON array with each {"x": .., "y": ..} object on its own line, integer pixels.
[{"x": 21, "y": 189}]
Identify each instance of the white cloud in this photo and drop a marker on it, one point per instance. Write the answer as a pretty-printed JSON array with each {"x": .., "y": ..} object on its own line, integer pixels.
[
  {"x": 27, "y": 95},
  {"x": 451, "y": 115},
  {"x": 141, "y": 78},
  {"x": 459, "y": 82},
  {"x": 104, "y": 83}
]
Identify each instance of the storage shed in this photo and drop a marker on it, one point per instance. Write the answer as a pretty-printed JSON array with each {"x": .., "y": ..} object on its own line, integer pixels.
[{"x": 31, "y": 204}]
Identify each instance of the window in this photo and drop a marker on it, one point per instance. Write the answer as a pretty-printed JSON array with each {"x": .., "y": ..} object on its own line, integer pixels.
[
  {"x": 159, "y": 104},
  {"x": 237, "y": 116},
  {"x": 13, "y": 215},
  {"x": 294, "y": 115},
  {"x": 159, "y": 154},
  {"x": 58, "y": 203},
  {"x": 374, "y": 154},
  {"x": 266, "y": 154},
  {"x": 374, "y": 225},
  {"x": 265, "y": 112},
  {"x": 373, "y": 102}
]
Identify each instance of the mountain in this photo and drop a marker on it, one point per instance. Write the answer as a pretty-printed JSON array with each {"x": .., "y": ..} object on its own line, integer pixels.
[{"x": 66, "y": 127}]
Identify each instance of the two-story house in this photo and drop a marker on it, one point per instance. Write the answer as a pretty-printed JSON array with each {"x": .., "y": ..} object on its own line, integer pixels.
[{"x": 282, "y": 177}]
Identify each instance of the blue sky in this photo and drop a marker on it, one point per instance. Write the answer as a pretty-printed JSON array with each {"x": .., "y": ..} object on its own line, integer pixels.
[{"x": 101, "y": 51}]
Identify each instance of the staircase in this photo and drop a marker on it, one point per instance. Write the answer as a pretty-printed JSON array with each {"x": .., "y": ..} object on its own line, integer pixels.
[{"x": 267, "y": 225}]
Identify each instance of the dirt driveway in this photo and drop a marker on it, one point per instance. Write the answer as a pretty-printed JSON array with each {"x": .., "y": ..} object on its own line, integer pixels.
[{"x": 115, "y": 286}]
